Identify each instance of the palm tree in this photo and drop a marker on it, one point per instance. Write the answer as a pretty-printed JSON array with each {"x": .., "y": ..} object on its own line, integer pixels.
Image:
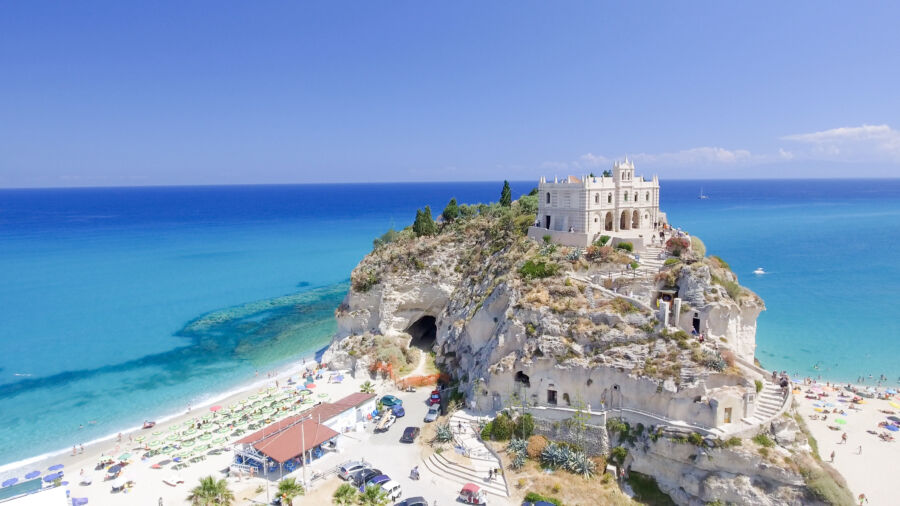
[
  {"x": 211, "y": 491},
  {"x": 374, "y": 496},
  {"x": 345, "y": 495},
  {"x": 367, "y": 388},
  {"x": 288, "y": 489}
]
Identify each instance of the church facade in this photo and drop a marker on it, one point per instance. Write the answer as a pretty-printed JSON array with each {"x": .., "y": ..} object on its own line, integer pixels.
[{"x": 577, "y": 211}]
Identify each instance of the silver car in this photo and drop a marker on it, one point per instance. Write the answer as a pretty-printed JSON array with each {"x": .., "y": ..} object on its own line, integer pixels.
[
  {"x": 348, "y": 468},
  {"x": 433, "y": 412}
]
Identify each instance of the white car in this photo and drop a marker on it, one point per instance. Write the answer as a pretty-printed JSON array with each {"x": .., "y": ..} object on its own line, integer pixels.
[
  {"x": 392, "y": 489},
  {"x": 433, "y": 412}
]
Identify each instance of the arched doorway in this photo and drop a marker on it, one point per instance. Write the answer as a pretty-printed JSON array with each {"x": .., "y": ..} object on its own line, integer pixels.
[
  {"x": 635, "y": 219},
  {"x": 624, "y": 220},
  {"x": 423, "y": 333},
  {"x": 608, "y": 222}
]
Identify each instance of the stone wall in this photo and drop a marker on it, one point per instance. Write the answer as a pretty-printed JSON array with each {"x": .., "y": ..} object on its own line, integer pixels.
[{"x": 593, "y": 439}]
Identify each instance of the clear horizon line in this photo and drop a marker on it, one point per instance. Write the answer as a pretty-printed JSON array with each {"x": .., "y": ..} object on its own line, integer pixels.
[{"x": 356, "y": 183}]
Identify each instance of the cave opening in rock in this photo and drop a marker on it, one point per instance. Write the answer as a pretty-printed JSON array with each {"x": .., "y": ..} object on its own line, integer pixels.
[{"x": 423, "y": 333}]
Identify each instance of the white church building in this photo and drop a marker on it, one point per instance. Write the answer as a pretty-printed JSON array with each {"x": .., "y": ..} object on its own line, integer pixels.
[{"x": 577, "y": 211}]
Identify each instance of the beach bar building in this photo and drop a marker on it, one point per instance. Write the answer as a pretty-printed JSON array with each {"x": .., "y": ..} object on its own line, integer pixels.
[{"x": 281, "y": 446}]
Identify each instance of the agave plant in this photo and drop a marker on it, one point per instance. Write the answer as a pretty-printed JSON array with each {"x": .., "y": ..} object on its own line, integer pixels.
[
  {"x": 518, "y": 462},
  {"x": 580, "y": 463},
  {"x": 575, "y": 254},
  {"x": 555, "y": 455},
  {"x": 443, "y": 433},
  {"x": 517, "y": 447}
]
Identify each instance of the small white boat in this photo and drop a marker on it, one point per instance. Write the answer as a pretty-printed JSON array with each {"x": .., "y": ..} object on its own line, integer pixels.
[
  {"x": 702, "y": 196},
  {"x": 759, "y": 271}
]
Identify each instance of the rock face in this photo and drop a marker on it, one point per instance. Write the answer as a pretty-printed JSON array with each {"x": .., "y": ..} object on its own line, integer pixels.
[{"x": 555, "y": 328}]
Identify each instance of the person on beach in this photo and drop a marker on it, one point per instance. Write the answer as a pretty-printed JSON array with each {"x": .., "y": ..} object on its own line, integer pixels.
[
  {"x": 81, "y": 449},
  {"x": 832, "y": 456},
  {"x": 862, "y": 497},
  {"x": 73, "y": 450},
  {"x": 859, "y": 450},
  {"x": 119, "y": 438},
  {"x": 843, "y": 438}
]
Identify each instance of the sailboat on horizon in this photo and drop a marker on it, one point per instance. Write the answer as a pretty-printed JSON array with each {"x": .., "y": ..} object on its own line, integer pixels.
[{"x": 702, "y": 196}]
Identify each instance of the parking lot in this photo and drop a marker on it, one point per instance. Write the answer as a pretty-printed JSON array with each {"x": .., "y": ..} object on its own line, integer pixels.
[{"x": 384, "y": 451}]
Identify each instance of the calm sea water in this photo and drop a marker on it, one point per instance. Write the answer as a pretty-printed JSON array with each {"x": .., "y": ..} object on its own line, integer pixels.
[{"x": 119, "y": 305}]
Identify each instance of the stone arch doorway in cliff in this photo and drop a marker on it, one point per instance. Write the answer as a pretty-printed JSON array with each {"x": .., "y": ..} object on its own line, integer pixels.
[{"x": 423, "y": 332}]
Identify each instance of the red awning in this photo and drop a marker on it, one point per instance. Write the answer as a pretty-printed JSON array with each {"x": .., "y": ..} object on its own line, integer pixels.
[{"x": 285, "y": 444}]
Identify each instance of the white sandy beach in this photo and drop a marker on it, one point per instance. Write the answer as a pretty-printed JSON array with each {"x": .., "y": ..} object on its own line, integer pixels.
[
  {"x": 870, "y": 472},
  {"x": 149, "y": 487}
]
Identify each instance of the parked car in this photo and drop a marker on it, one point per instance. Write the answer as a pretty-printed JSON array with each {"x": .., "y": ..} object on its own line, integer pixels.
[
  {"x": 414, "y": 501},
  {"x": 472, "y": 494},
  {"x": 398, "y": 410},
  {"x": 435, "y": 398},
  {"x": 390, "y": 400},
  {"x": 409, "y": 435},
  {"x": 375, "y": 481},
  {"x": 392, "y": 489},
  {"x": 361, "y": 477},
  {"x": 433, "y": 413},
  {"x": 387, "y": 419},
  {"x": 349, "y": 468}
]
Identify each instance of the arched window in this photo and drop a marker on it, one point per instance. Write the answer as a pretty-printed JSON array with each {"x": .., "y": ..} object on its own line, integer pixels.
[
  {"x": 626, "y": 196},
  {"x": 548, "y": 197},
  {"x": 648, "y": 196},
  {"x": 609, "y": 199},
  {"x": 596, "y": 198}
]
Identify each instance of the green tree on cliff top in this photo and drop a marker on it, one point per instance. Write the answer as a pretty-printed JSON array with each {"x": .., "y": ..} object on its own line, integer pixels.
[{"x": 505, "y": 195}]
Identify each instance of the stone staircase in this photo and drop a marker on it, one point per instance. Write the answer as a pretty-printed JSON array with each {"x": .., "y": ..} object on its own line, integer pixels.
[
  {"x": 460, "y": 474},
  {"x": 478, "y": 459},
  {"x": 770, "y": 402},
  {"x": 650, "y": 262}
]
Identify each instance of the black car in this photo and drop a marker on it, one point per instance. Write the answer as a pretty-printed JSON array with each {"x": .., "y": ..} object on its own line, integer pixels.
[
  {"x": 413, "y": 501},
  {"x": 409, "y": 434},
  {"x": 365, "y": 475}
]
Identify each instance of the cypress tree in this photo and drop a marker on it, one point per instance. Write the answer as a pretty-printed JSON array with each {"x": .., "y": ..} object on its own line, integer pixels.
[{"x": 506, "y": 195}]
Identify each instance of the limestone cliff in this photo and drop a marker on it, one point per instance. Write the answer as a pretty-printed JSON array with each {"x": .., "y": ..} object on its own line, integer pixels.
[{"x": 518, "y": 321}]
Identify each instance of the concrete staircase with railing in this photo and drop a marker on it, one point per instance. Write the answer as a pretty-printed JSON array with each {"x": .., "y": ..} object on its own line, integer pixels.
[{"x": 769, "y": 403}]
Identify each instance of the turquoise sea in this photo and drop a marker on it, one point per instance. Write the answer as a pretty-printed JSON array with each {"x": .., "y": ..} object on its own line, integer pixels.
[{"x": 124, "y": 304}]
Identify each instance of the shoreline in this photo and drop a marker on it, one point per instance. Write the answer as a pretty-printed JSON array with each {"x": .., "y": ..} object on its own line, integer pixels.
[{"x": 287, "y": 369}]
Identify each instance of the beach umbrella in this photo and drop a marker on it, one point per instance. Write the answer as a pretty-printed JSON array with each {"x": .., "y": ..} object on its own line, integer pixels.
[
  {"x": 124, "y": 456},
  {"x": 189, "y": 442},
  {"x": 172, "y": 437},
  {"x": 154, "y": 443},
  {"x": 310, "y": 385},
  {"x": 140, "y": 439},
  {"x": 56, "y": 467},
  {"x": 891, "y": 418},
  {"x": 32, "y": 475},
  {"x": 51, "y": 477},
  {"x": 10, "y": 482},
  {"x": 322, "y": 396},
  {"x": 840, "y": 421},
  {"x": 114, "y": 469},
  {"x": 891, "y": 391},
  {"x": 79, "y": 501},
  {"x": 219, "y": 440},
  {"x": 894, "y": 404},
  {"x": 892, "y": 428}
]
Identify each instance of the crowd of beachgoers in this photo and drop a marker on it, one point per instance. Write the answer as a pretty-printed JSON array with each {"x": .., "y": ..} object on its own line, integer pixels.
[{"x": 855, "y": 426}]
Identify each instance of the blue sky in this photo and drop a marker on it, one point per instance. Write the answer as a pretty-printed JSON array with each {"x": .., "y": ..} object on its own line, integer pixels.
[{"x": 127, "y": 93}]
